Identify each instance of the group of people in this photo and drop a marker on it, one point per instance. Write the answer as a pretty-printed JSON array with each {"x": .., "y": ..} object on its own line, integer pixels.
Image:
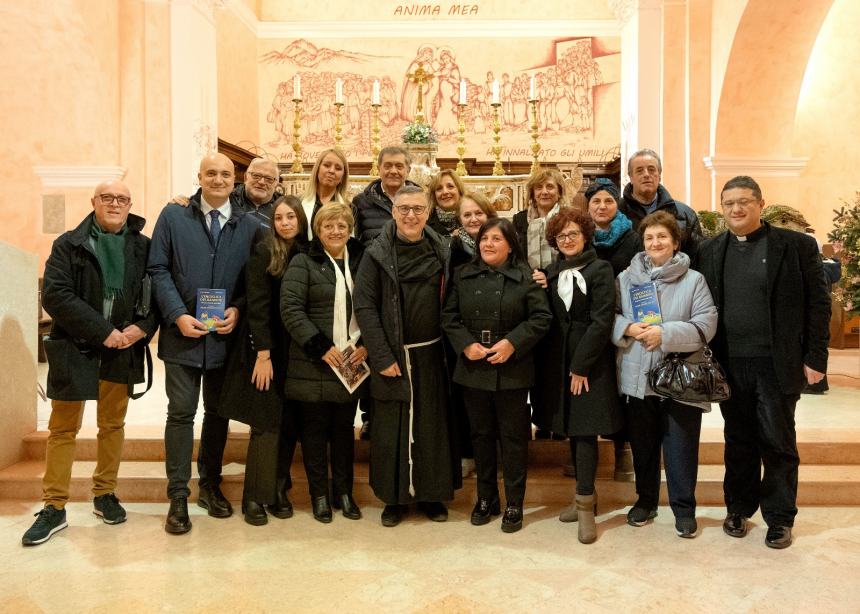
[{"x": 473, "y": 328}]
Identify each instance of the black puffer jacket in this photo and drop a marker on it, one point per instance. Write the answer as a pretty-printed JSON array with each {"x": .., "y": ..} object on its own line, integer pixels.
[
  {"x": 688, "y": 221},
  {"x": 73, "y": 296},
  {"x": 307, "y": 309},
  {"x": 372, "y": 209}
]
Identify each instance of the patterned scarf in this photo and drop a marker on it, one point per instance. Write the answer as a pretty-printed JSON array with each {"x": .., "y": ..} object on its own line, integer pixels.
[
  {"x": 540, "y": 254},
  {"x": 448, "y": 219},
  {"x": 468, "y": 243}
]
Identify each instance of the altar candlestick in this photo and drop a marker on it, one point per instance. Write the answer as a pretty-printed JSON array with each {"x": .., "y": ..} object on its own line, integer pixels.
[
  {"x": 297, "y": 88},
  {"x": 462, "y": 92},
  {"x": 495, "y": 92},
  {"x": 375, "y": 99},
  {"x": 532, "y": 89},
  {"x": 338, "y": 91}
]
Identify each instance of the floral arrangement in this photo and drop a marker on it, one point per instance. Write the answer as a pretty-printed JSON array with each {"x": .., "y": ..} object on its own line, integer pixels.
[
  {"x": 845, "y": 237},
  {"x": 415, "y": 133}
]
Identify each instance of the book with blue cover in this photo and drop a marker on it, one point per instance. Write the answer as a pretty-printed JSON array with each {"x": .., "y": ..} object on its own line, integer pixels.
[
  {"x": 211, "y": 303},
  {"x": 645, "y": 303}
]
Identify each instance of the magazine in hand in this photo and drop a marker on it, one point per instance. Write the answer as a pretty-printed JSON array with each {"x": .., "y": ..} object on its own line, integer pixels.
[
  {"x": 211, "y": 304},
  {"x": 645, "y": 303},
  {"x": 349, "y": 374}
]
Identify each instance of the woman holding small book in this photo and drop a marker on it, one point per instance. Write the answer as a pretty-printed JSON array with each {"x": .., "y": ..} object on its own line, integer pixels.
[
  {"x": 660, "y": 280},
  {"x": 317, "y": 309}
]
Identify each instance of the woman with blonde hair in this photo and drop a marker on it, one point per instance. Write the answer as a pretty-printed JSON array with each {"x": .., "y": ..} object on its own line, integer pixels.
[
  {"x": 328, "y": 184},
  {"x": 444, "y": 193}
]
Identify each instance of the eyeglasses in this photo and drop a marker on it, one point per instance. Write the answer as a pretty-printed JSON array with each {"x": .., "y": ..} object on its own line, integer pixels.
[
  {"x": 264, "y": 178},
  {"x": 416, "y": 209},
  {"x": 107, "y": 199},
  {"x": 568, "y": 236},
  {"x": 743, "y": 203}
]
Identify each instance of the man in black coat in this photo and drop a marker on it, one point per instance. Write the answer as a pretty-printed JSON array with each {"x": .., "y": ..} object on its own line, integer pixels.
[
  {"x": 772, "y": 335},
  {"x": 94, "y": 291},
  {"x": 645, "y": 194}
]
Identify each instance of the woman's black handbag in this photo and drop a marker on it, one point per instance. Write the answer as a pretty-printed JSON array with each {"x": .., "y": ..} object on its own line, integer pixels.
[{"x": 693, "y": 377}]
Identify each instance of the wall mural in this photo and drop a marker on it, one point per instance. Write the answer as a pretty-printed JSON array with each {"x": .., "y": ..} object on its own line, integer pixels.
[{"x": 577, "y": 82}]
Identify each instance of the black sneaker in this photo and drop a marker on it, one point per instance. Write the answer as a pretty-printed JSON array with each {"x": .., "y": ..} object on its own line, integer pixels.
[
  {"x": 108, "y": 507},
  {"x": 639, "y": 516},
  {"x": 686, "y": 527},
  {"x": 49, "y": 520}
]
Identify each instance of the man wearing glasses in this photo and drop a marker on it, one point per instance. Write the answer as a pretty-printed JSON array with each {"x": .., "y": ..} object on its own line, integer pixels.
[
  {"x": 774, "y": 304},
  {"x": 94, "y": 291},
  {"x": 398, "y": 301}
]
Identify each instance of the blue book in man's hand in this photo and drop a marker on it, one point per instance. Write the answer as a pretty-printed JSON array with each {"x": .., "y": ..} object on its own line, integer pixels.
[{"x": 211, "y": 303}]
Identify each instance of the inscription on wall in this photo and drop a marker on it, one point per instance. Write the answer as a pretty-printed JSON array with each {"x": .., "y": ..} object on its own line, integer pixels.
[{"x": 432, "y": 10}]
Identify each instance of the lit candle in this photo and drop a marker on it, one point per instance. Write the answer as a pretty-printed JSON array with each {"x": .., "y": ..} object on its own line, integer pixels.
[
  {"x": 495, "y": 92},
  {"x": 338, "y": 91},
  {"x": 297, "y": 87},
  {"x": 375, "y": 99},
  {"x": 462, "y": 91},
  {"x": 532, "y": 89}
]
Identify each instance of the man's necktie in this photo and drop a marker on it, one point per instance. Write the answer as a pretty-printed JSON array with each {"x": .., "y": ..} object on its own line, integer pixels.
[{"x": 215, "y": 227}]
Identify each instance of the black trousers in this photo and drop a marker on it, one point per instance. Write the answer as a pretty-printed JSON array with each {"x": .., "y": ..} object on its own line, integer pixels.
[
  {"x": 655, "y": 423},
  {"x": 759, "y": 430},
  {"x": 322, "y": 424},
  {"x": 502, "y": 415},
  {"x": 270, "y": 456},
  {"x": 182, "y": 385}
]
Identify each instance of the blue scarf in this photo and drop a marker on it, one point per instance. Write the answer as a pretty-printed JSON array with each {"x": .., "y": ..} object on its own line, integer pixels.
[{"x": 607, "y": 238}]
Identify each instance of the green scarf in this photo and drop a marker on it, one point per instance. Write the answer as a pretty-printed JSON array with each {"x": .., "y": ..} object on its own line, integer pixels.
[{"x": 110, "y": 252}]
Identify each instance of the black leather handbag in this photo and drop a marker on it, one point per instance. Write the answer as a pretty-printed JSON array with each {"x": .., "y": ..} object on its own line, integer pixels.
[{"x": 695, "y": 377}]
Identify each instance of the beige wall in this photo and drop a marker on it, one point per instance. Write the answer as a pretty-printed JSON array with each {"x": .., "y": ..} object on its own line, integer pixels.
[
  {"x": 827, "y": 115},
  {"x": 237, "y": 76}
]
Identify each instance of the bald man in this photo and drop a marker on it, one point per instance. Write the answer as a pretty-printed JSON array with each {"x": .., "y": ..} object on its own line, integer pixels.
[
  {"x": 94, "y": 291},
  {"x": 202, "y": 245}
]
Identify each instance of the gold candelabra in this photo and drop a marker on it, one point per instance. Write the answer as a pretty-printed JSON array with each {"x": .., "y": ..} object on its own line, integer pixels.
[
  {"x": 497, "y": 148},
  {"x": 338, "y": 137},
  {"x": 374, "y": 139},
  {"x": 461, "y": 143},
  {"x": 297, "y": 144},
  {"x": 535, "y": 145}
]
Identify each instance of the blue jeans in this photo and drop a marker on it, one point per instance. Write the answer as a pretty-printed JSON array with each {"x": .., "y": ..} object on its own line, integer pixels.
[
  {"x": 759, "y": 430},
  {"x": 182, "y": 385},
  {"x": 654, "y": 423}
]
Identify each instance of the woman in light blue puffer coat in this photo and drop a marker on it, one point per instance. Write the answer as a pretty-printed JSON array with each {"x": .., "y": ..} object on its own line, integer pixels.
[{"x": 685, "y": 303}]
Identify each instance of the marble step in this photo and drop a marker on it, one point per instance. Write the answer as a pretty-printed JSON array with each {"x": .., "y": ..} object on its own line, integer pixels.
[
  {"x": 144, "y": 481},
  {"x": 146, "y": 443}
]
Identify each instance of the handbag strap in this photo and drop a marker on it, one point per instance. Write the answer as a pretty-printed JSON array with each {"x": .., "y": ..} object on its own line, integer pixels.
[
  {"x": 706, "y": 349},
  {"x": 148, "y": 359}
]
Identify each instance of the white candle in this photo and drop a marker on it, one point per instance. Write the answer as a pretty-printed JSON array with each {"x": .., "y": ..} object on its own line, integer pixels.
[
  {"x": 495, "y": 92},
  {"x": 462, "y": 91},
  {"x": 338, "y": 91},
  {"x": 297, "y": 87},
  {"x": 532, "y": 89},
  {"x": 375, "y": 99}
]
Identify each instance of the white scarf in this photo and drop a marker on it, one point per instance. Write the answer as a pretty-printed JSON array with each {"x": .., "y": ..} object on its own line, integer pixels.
[
  {"x": 341, "y": 335},
  {"x": 308, "y": 205},
  {"x": 540, "y": 254},
  {"x": 565, "y": 285}
]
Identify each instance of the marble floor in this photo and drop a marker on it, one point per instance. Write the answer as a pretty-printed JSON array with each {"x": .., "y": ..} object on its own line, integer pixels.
[{"x": 299, "y": 565}]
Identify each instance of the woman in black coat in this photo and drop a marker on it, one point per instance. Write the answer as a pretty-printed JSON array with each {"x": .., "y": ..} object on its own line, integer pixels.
[
  {"x": 494, "y": 315},
  {"x": 317, "y": 309},
  {"x": 576, "y": 370},
  {"x": 253, "y": 391}
]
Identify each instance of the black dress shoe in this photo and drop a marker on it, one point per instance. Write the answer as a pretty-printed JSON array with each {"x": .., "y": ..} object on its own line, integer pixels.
[
  {"x": 178, "y": 521},
  {"x": 212, "y": 500},
  {"x": 735, "y": 525},
  {"x": 254, "y": 513},
  {"x": 282, "y": 507},
  {"x": 322, "y": 509},
  {"x": 778, "y": 537},
  {"x": 392, "y": 515},
  {"x": 484, "y": 510},
  {"x": 348, "y": 506},
  {"x": 434, "y": 510},
  {"x": 512, "y": 521},
  {"x": 364, "y": 431}
]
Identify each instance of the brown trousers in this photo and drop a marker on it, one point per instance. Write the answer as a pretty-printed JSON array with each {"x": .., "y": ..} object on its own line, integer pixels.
[{"x": 65, "y": 422}]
